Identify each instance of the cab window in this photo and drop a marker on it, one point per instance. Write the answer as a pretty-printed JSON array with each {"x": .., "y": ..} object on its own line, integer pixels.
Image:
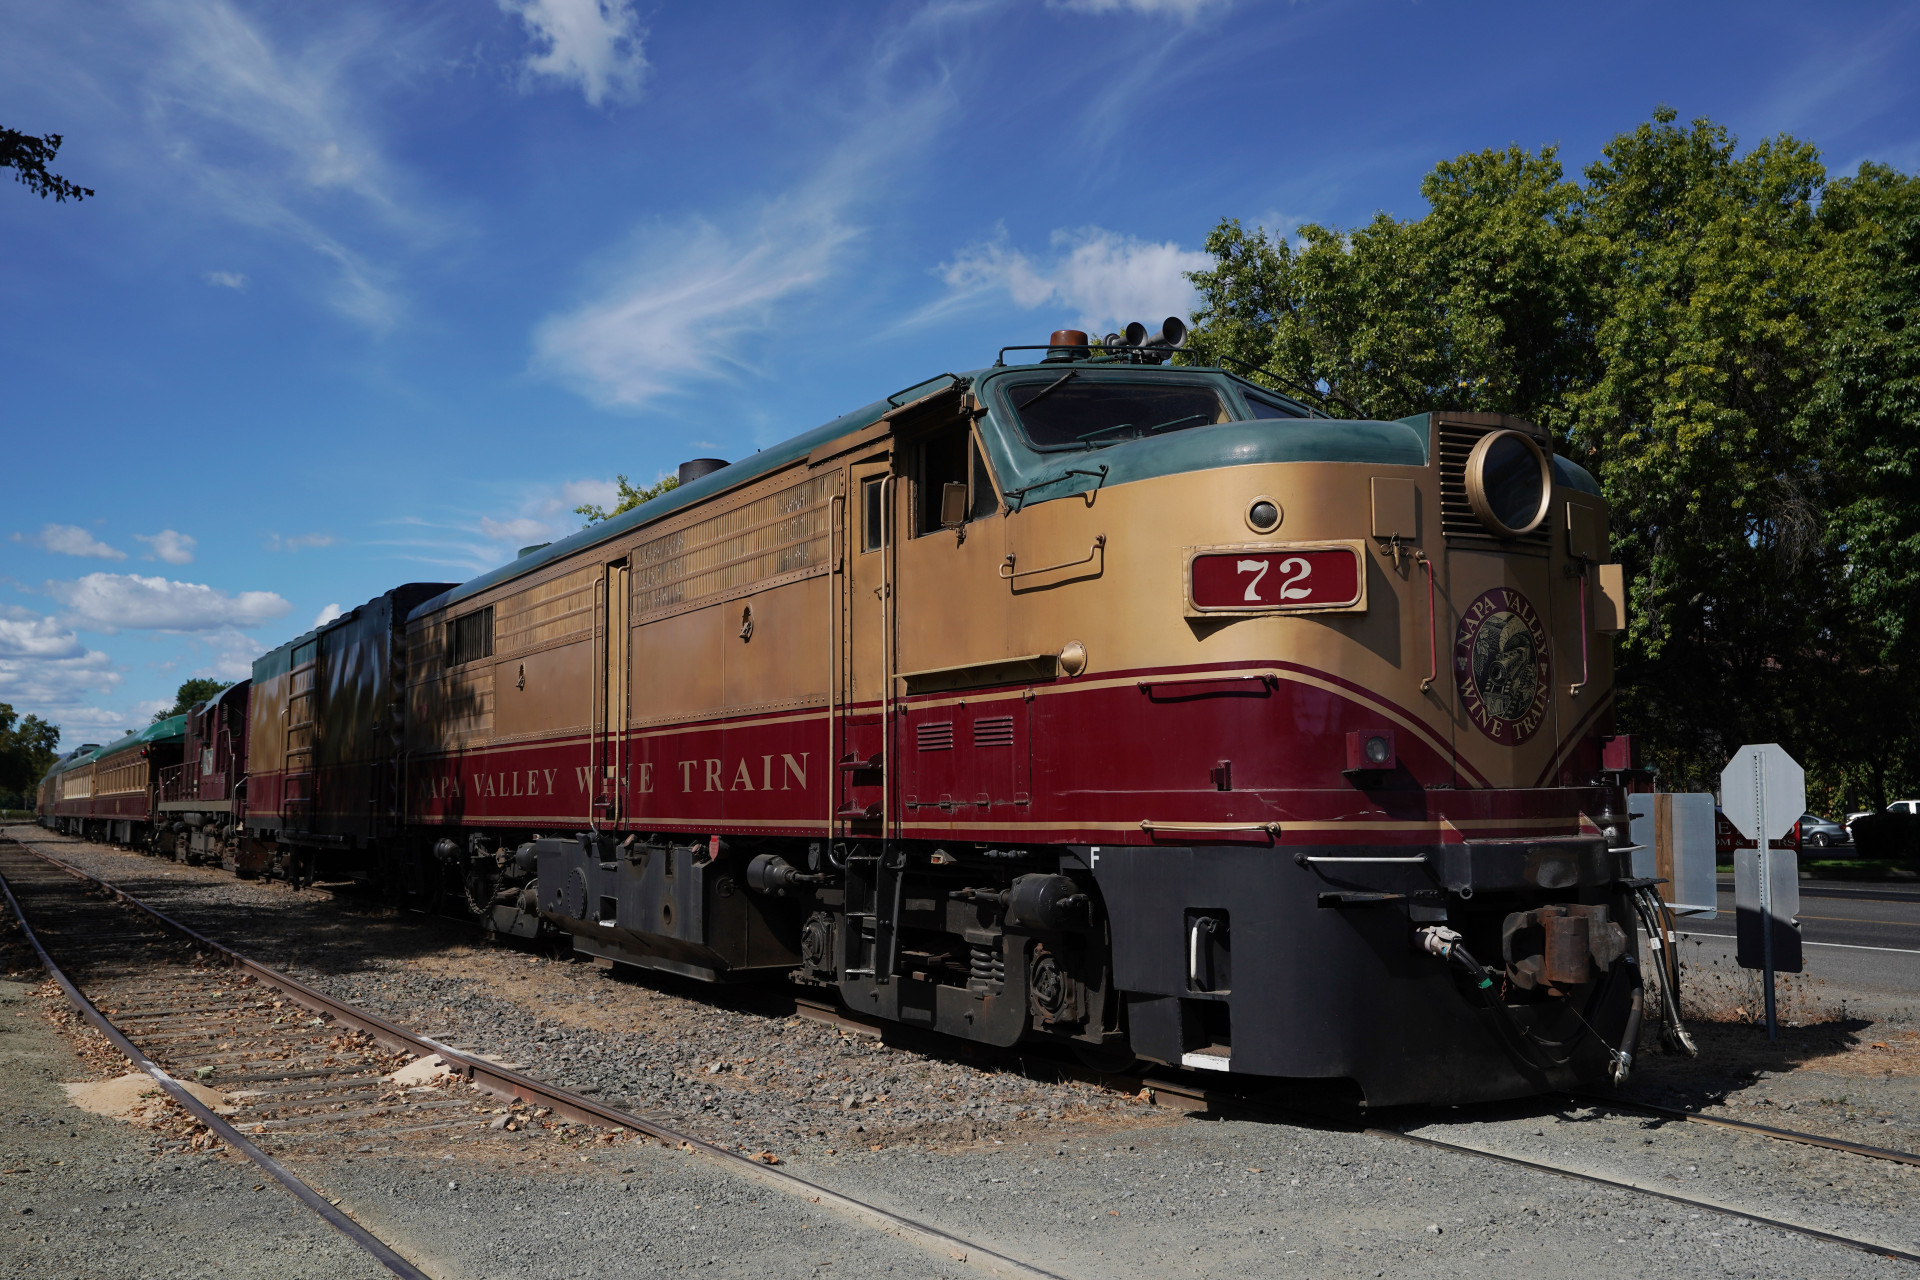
[
  {"x": 1072, "y": 411},
  {"x": 951, "y": 484}
]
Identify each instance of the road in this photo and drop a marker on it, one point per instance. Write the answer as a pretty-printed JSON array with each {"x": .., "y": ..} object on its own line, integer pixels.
[{"x": 1862, "y": 937}]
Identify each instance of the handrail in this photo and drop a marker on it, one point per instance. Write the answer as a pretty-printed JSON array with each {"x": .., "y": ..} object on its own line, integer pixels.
[
  {"x": 1151, "y": 827},
  {"x": 1574, "y": 689},
  {"x": 836, "y": 507},
  {"x": 1019, "y": 495},
  {"x": 1271, "y": 679},
  {"x": 886, "y": 658},
  {"x": 1433, "y": 641},
  {"x": 1305, "y": 859},
  {"x": 1099, "y": 547}
]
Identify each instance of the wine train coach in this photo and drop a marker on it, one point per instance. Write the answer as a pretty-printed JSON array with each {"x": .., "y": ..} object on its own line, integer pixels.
[{"x": 1085, "y": 697}]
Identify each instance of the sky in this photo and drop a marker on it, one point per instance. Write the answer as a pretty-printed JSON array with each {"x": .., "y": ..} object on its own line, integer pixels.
[{"x": 378, "y": 292}]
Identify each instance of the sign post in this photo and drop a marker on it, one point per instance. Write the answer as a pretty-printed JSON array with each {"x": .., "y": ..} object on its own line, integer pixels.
[{"x": 1763, "y": 793}]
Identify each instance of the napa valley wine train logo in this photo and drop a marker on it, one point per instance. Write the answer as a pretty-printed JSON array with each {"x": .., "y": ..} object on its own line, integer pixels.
[{"x": 1500, "y": 663}]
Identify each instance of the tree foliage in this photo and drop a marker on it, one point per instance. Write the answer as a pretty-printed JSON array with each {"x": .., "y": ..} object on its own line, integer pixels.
[
  {"x": 28, "y": 156},
  {"x": 28, "y": 748},
  {"x": 190, "y": 695},
  {"x": 1728, "y": 342},
  {"x": 630, "y": 498}
]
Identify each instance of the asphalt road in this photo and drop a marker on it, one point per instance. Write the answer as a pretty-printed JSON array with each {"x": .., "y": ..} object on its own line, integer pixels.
[{"x": 1864, "y": 937}]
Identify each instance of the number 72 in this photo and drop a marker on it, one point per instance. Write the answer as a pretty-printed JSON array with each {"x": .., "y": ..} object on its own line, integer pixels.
[{"x": 1294, "y": 572}]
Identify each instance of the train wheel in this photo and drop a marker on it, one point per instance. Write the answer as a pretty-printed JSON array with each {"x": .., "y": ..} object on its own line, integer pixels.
[{"x": 1111, "y": 1059}]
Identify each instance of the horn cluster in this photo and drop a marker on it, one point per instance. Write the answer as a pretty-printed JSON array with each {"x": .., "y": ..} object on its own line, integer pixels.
[{"x": 1134, "y": 342}]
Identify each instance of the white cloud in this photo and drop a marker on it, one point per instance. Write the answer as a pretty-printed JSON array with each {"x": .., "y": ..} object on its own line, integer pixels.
[
  {"x": 596, "y": 44},
  {"x": 72, "y": 540},
  {"x": 1106, "y": 278},
  {"x": 679, "y": 304},
  {"x": 46, "y": 671},
  {"x": 226, "y": 280},
  {"x": 299, "y": 541},
  {"x": 326, "y": 615},
  {"x": 174, "y": 548},
  {"x": 112, "y": 601},
  {"x": 580, "y": 493},
  {"x": 232, "y": 653},
  {"x": 1185, "y": 10},
  {"x": 518, "y": 531}
]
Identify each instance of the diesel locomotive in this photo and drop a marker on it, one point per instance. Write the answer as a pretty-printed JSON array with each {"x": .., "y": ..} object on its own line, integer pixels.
[{"x": 1091, "y": 698}]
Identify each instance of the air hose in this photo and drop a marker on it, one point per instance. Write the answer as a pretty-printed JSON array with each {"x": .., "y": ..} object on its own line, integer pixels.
[
  {"x": 1658, "y": 919},
  {"x": 1438, "y": 940}
]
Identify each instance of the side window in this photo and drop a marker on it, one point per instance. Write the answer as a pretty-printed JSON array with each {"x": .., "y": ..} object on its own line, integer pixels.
[
  {"x": 943, "y": 468},
  {"x": 1258, "y": 408},
  {"x": 984, "y": 501},
  {"x": 472, "y": 637},
  {"x": 873, "y": 520}
]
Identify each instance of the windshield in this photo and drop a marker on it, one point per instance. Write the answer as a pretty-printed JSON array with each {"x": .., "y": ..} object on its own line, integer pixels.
[{"x": 1070, "y": 411}]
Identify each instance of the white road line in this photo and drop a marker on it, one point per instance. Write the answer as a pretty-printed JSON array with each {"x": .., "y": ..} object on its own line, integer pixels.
[{"x": 1844, "y": 946}]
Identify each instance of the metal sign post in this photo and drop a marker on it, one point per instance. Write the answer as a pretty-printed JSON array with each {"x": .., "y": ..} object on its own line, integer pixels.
[{"x": 1763, "y": 793}]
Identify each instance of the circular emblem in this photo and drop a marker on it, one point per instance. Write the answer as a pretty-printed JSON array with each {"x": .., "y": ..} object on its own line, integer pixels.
[{"x": 1500, "y": 664}]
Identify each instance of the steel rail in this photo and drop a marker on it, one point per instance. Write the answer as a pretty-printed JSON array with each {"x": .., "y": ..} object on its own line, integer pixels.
[
  {"x": 1622, "y": 1184},
  {"x": 1211, "y": 1098},
  {"x": 300, "y": 1191},
  {"x": 1748, "y": 1126},
  {"x": 491, "y": 1077}
]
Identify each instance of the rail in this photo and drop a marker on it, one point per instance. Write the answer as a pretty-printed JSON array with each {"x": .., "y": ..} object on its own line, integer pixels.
[
  {"x": 1097, "y": 550},
  {"x": 492, "y": 1078}
]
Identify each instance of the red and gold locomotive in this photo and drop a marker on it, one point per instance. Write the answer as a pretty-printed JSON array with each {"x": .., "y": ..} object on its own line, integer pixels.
[{"x": 1097, "y": 699}]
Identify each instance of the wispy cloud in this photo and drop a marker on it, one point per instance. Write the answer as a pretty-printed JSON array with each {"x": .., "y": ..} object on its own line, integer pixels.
[
  {"x": 168, "y": 545},
  {"x": 129, "y": 601},
  {"x": 71, "y": 540},
  {"x": 1184, "y": 10},
  {"x": 327, "y": 614},
  {"x": 521, "y": 530},
  {"x": 299, "y": 541},
  {"x": 226, "y": 280},
  {"x": 1105, "y": 278},
  {"x": 596, "y": 44},
  {"x": 680, "y": 304}
]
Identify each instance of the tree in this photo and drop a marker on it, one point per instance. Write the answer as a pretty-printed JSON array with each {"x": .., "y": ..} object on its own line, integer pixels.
[
  {"x": 1728, "y": 343},
  {"x": 27, "y": 750},
  {"x": 190, "y": 695},
  {"x": 630, "y": 498},
  {"x": 29, "y": 156}
]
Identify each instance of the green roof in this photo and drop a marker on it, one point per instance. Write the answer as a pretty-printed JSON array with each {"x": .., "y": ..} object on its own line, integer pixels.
[{"x": 172, "y": 729}]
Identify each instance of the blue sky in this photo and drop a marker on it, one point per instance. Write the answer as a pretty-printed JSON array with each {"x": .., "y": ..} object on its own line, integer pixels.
[{"x": 378, "y": 292}]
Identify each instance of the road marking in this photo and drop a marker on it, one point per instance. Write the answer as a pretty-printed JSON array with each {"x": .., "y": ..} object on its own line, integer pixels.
[
  {"x": 1896, "y": 924},
  {"x": 1844, "y": 946}
]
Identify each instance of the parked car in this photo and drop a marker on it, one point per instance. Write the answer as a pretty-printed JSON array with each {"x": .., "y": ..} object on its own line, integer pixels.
[
  {"x": 1904, "y": 806},
  {"x": 1855, "y": 817},
  {"x": 1817, "y": 832}
]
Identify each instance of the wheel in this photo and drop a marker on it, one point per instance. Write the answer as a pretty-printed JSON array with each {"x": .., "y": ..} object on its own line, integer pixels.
[
  {"x": 1107, "y": 1059},
  {"x": 1817, "y": 839}
]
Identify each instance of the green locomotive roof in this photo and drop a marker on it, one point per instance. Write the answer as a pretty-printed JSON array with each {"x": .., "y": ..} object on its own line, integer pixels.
[{"x": 1032, "y": 473}]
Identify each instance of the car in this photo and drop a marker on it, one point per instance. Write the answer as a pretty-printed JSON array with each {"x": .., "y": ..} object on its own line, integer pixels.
[
  {"x": 1904, "y": 806},
  {"x": 1817, "y": 832},
  {"x": 1855, "y": 817}
]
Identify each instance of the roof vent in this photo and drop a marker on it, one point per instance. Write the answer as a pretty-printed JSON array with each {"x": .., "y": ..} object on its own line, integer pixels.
[
  {"x": 691, "y": 471},
  {"x": 527, "y": 551}
]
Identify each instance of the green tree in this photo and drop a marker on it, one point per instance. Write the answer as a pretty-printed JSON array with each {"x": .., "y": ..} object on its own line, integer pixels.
[
  {"x": 190, "y": 695},
  {"x": 27, "y": 750},
  {"x": 28, "y": 157},
  {"x": 1727, "y": 343},
  {"x": 630, "y": 498}
]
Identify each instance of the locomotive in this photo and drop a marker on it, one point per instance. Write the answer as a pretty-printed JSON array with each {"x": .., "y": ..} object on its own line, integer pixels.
[{"x": 1092, "y": 698}]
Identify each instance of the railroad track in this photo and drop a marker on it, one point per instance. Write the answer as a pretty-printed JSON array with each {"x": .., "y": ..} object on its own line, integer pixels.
[
  {"x": 310, "y": 1070},
  {"x": 310, "y": 1073}
]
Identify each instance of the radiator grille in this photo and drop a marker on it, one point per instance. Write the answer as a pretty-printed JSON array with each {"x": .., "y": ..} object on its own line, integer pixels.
[
  {"x": 935, "y": 737},
  {"x": 1458, "y": 524},
  {"x": 993, "y": 731}
]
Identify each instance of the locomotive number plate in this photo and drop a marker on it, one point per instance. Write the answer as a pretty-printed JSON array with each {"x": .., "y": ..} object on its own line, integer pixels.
[{"x": 1296, "y": 578}]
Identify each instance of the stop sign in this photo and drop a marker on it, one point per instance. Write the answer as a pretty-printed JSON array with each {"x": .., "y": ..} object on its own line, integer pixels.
[{"x": 1758, "y": 778}]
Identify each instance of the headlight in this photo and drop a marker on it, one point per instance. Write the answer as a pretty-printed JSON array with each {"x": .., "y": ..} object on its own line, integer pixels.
[{"x": 1509, "y": 481}]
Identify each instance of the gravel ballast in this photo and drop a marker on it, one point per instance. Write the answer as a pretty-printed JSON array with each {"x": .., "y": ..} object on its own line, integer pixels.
[{"x": 1067, "y": 1175}]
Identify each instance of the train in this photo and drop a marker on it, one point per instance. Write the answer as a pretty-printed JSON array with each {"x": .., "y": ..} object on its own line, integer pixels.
[{"x": 1099, "y": 697}]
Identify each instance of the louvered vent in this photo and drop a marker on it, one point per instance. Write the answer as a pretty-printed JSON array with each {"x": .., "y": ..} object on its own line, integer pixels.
[
  {"x": 993, "y": 731},
  {"x": 935, "y": 737},
  {"x": 1460, "y": 526}
]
